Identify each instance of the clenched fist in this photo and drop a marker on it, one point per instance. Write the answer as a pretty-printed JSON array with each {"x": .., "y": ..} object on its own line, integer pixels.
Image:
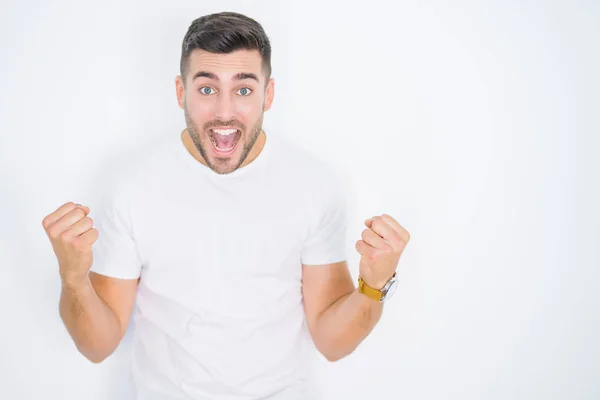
[
  {"x": 71, "y": 233},
  {"x": 381, "y": 246}
]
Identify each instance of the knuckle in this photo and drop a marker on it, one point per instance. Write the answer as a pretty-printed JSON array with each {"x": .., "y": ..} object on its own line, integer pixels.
[
  {"x": 388, "y": 218},
  {"x": 74, "y": 244},
  {"x": 54, "y": 233},
  {"x": 64, "y": 236}
]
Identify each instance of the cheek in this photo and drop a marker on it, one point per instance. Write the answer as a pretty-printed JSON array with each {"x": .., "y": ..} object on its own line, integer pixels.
[
  {"x": 198, "y": 111},
  {"x": 245, "y": 109},
  {"x": 250, "y": 109}
]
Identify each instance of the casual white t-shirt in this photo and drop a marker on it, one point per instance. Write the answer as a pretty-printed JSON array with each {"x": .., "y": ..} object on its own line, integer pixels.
[{"x": 219, "y": 311}]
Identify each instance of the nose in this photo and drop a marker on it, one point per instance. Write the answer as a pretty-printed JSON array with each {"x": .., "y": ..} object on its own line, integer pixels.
[{"x": 224, "y": 108}]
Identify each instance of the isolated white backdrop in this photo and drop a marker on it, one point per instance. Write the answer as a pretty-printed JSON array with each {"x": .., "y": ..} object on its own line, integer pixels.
[{"x": 474, "y": 124}]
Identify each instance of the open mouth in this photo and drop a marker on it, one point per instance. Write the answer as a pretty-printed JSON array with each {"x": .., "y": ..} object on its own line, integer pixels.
[{"x": 224, "y": 141}]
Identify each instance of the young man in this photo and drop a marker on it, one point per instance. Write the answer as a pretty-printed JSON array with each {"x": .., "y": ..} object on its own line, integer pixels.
[{"x": 228, "y": 242}]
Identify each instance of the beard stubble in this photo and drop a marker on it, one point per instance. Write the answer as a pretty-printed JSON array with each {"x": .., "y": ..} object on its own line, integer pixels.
[{"x": 223, "y": 165}]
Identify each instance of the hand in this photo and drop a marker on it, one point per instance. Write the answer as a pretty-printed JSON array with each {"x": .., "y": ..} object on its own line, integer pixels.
[
  {"x": 382, "y": 244},
  {"x": 71, "y": 234}
]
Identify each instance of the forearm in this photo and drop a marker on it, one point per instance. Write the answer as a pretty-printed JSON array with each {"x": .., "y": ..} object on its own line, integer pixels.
[
  {"x": 91, "y": 323},
  {"x": 345, "y": 324}
]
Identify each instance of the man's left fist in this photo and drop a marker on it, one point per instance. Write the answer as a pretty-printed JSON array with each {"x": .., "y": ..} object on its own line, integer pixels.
[{"x": 380, "y": 248}]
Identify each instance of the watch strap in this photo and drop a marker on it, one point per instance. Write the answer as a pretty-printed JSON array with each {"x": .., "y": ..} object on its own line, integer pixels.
[{"x": 368, "y": 290}]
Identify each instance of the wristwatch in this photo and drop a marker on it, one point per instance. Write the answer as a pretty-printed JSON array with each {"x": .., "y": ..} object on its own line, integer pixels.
[{"x": 379, "y": 295}]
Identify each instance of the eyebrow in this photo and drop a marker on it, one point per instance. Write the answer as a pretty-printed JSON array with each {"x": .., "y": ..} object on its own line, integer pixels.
[{"x": 236, "y": 77}]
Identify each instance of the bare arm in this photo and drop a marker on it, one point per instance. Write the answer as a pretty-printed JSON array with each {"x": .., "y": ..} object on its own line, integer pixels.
[
  {"x": 339, "y": 318},
  {"x": 94, "y": 308},
  {"x": 96, "y": 313}
]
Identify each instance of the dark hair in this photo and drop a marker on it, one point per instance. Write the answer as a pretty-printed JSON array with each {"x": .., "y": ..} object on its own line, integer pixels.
[{"x": 225, "y": 32}]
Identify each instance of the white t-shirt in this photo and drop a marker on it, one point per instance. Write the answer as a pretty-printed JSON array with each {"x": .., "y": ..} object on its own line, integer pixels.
[{"x": 219, "y": 311}]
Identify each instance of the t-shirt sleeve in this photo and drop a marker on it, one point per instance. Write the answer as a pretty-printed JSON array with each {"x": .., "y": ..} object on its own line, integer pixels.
[
  {"x": 115, "y": 252},
  {"x": 326, "y": 241}
]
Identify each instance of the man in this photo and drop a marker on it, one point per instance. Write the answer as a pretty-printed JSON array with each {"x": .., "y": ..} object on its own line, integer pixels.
[{"x": 230, "y": 243}]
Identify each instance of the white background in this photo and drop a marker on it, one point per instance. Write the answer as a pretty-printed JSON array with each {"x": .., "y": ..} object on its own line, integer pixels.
[{"x": 475, "y": 125}]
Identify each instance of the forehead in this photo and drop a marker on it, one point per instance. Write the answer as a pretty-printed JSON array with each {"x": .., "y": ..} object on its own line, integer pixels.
[{"x": 225, "y": 65}]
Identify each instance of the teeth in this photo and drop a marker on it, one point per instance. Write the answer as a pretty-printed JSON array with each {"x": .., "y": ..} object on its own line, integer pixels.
[{"x": 225, "y": 132}]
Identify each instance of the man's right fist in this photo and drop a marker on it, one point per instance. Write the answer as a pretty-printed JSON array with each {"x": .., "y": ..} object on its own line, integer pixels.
[{"x": 71, "y": 234}]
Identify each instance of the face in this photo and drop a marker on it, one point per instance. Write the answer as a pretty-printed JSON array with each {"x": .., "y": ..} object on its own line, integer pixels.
[{"x": 224, "y": 99}]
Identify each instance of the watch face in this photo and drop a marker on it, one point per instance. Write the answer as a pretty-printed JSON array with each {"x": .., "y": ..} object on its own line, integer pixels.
[{"x": 391, "y": 290}]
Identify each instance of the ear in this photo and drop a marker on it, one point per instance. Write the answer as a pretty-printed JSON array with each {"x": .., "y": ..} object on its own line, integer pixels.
[
  {"x": 269, "y": 94},
  {"x": 180, "y": 90}
]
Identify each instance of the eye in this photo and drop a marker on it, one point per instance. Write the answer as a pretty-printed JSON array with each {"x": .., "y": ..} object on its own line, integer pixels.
[
  {"x": 205, "y": 90},
  {"x": 244, "y": 91}
]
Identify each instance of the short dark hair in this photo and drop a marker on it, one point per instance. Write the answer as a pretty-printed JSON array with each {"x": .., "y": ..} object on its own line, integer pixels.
[{"x": 225, "y": 32}]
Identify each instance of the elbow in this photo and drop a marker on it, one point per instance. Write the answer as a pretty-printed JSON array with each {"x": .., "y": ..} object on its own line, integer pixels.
[
  {"x": 333, "y": 358},
  {"x": 333, "y": 355},
  {"x": 97, "y": 351},
  {"x": 96, "y": 359},
  {"x": 333, "y": 349},
  {"x": 95, "y": 356}
]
